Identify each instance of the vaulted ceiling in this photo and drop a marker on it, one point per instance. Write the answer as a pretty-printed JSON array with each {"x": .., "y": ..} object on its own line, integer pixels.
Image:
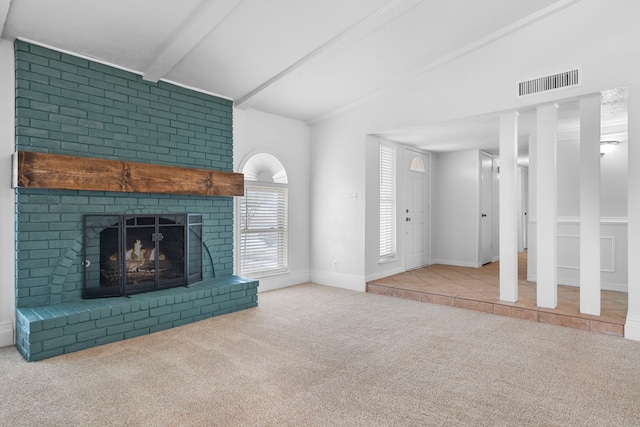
[{"x": 303, "y": 59}]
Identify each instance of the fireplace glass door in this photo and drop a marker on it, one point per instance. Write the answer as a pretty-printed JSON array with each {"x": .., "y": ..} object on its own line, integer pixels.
[{"x": 127, "y": 254}]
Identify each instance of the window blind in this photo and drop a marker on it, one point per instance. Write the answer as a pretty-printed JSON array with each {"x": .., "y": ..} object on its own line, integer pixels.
[
  {"x": 387, "y": 203},
  {"x": 263, "y": 231}
]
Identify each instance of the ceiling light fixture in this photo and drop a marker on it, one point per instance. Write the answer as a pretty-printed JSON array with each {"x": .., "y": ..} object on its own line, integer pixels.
[{"x": 607, "y": 146}]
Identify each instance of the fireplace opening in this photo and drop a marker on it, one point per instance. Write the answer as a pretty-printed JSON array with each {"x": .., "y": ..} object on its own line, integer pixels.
[{"x": 128, "y": 254}]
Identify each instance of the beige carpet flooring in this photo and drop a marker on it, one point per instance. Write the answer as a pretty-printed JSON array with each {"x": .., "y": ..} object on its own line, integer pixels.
[{"x": 317, "y": 356}]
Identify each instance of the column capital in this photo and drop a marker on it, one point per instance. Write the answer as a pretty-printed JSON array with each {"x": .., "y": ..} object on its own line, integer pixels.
[
  {"x": 509, "y": 113},
  {"x": 591, "y": 96},
  {"x": 547, "y": 106}
]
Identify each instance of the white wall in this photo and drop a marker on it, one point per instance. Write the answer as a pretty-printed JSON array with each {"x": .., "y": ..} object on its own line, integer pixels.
[
  {"x": 613, "y": 182},
  {"x": 614, "y": 173},
  {"x": 337, "y": 217},
  {"x": 288, "y": 140},
  {"x": 484, "y": 81},
  {"x": 455, "y": 208},
  {"x": 7, "y": 194}
]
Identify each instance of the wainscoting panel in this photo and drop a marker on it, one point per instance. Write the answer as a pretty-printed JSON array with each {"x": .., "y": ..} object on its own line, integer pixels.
[
  {"x": 613, "y": 256},
  {"x": 569, "y": 253}
]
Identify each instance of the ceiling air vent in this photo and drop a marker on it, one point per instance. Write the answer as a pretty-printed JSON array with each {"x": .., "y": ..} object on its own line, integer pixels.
[{"x": 563, "y": 80}]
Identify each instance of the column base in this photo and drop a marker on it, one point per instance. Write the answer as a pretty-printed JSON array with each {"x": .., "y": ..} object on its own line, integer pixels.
[{"x": 632, "y": 328}]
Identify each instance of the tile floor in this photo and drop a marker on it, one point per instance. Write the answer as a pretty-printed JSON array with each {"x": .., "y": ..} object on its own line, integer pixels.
[{"x": 478, "y": 289}]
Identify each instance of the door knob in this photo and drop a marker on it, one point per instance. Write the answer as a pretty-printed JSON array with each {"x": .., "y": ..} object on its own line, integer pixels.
[
  {"x": 484, "y": 215},
  {"x": 408, "y": 219}
]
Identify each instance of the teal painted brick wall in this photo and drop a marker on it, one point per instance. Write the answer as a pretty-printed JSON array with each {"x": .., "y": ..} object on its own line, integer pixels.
[
  {"x": 52, "y": 330},
  {"x": 72, "y": 106}
]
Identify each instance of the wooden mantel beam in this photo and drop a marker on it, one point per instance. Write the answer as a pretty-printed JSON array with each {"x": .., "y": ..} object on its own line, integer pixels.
[{"x": 42, "y": 170}]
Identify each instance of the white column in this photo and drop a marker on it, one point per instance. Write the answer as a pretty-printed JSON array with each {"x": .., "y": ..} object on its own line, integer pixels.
[
  {"x": 632, "y": 325},
  {"x": 590, "y": 205},
  {"x": 7, "y": 194},
  {"x": 532, "y": 262},
  {"x": 509, "y": 207},
  {"x": 547, "y": 207}
]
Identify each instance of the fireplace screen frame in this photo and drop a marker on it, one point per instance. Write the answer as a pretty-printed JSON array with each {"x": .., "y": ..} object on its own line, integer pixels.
[{"x": 107, "y": 270}]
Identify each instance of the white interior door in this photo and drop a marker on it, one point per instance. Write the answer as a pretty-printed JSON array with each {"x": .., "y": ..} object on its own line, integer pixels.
[
  {"x": 486, "y": 211},
  {"x": 417, "y": 209}
]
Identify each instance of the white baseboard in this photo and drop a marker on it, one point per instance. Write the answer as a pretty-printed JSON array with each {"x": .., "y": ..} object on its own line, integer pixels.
[
  {"x": 571, "y": 282},
  {"x": 283, "y": 280},
  {"x": 604, "y": 286},
  {"x": 614, "y": 287},
  {"x": 344, "y": 281},
  {"x": 382, "y": 274},
  {"x": 7, "y": 334},
  {"x": 455, "y": 263},
  {"x": 632, "y": 328}
]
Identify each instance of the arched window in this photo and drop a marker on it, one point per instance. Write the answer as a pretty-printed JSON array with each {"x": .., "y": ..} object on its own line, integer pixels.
[
  {"x": 263, "y": 246},
  {"x": 417, "y": 165}
]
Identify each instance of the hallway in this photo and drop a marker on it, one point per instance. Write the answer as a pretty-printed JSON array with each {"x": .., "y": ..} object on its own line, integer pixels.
[{"x": 478, "y": 289}]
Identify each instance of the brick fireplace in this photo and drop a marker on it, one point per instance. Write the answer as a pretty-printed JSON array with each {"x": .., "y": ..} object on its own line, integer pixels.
[{"x": 67, "y": 105}]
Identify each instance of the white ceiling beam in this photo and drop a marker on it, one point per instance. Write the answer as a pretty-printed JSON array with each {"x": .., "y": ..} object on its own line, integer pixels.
[
  {"x": 4, "y": 12},
  {"x": 202, "y": 23},
  {"x": 342, "y": 41}
]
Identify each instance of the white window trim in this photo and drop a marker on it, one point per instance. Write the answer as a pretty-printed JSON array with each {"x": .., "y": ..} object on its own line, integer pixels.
[{"x": 283, "y": 260}]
